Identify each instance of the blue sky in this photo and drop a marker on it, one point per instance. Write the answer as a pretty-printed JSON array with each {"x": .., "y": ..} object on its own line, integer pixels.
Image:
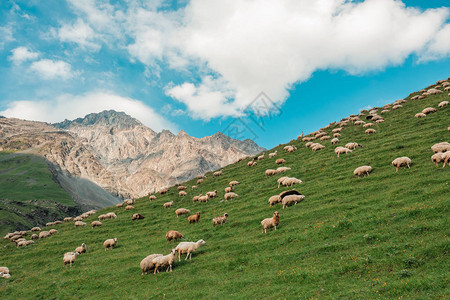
[{"x": 199, "y": 65}]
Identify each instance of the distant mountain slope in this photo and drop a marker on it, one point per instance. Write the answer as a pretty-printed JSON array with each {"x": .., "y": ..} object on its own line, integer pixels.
[
  {"x": 109, "y": 155},
  {"x": 29, "y": 195},
  {"x": 382, "y": 236}
]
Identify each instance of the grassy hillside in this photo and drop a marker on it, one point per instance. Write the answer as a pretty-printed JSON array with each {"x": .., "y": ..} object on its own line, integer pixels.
[
  {"x": 386, "y": 235},
  {"x": 28, "y": 193}
]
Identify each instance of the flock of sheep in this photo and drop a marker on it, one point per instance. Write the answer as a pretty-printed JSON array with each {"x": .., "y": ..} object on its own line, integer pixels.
[{"x": 158, "y": 262}]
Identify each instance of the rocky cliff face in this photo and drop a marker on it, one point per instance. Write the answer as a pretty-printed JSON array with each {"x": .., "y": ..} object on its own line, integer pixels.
[{"x": 116, "y": 152}]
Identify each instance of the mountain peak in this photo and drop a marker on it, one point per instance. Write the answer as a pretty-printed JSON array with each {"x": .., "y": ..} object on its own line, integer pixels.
[{"x": 106, "y": 117}]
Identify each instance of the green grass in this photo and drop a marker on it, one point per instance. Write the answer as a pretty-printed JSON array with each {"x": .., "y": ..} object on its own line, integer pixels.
[
  {"x": 28, "y": 192},
  {"x": 383, "y": 236}
]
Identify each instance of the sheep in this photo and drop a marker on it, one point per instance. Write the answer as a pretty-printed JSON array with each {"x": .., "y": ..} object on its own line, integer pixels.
[
  {"x": 359, "y": 122},
  {"x": 273, "y": 154},
  {"x": 274, "y": 200},
  {"x": 212, "y": 194},
  {"x": 189, "y": 248},
  {"x": 204, "y": 198},
  {"x": 220, "y": 220},
  {"x": 441, "y": 147},
  {"x": 289, "y": 181},
  {"x": 261, "y": 157},
  {"x": 282, "y": 169},
  {"x": 281, "y": 179},
  {"x": 129, "y": 207},
  {"x": 400, "y": 101},
  {"x": 228, "y": 189},
  {"x": 308, "y": 144},
  {"x": 420, "y": 115},
  {"x": 434, "y": 91},
  {"x": 110, "y": 243},
  {"x": 168, "y": 204},
  {"x": 352, "y": 145},
  {"x": 163, "y": 191},
  {"x": 96, "y": 224},
  {"x": 271, "y": 222},
  {"x": 81, "y": 249},
  {"x": 325, "y": 137},
  {"x": 337, "y": 130},
  {"x": 363, "y": 170},
  {"x": 397, "y": 106},
  {"x": 443, "y": 104},
  {"x": 182, "y": 211},
  {"x": 34, "y": 236},
  {"x": 194, "y": 218},
  {"x": 182, "y": 193},
  {"x": 370, "y": 131},
  {"x": 152, "y": 197},
  {"x": 181, "y": 188},
  {"x": 270, "y": 172},
  {"x": 194, "y": 187},
  {"x": 385, "y": 111},
  {"x": 67, "y": 219},
  {"x": 337, "y": 135},
  {"x": 4, "y": 271},
  {"x": 320, "y": 134},
  {"x": 24, "y": 243},
  {"x": 429, "y": 110},
  {"x": 195, "y": 198},
  {"x": 446, "y": 159},
  {"x": 200, "y": 176},
  {"x": 44, "y": 234},
  {"x": 36, "y": 229},
  {"x": 119, "y": 205},
  {"x": 291, "y": 149},
  {"x": 342, "y": 150},
  {"x": 53, "y": 231},
  {"x": 317, "y": 147},
  {"x": 334, "y": 141},
  {"x": 292, "y": 199},
  {"x": 173, "y": 235},
  {"x": 252, "y": 163},
  {"x": 147, "y": 263},
  {"x": 280, "y": 161},
  {"x": 233, "y": 183},
  {"x": 69, "y": 258},
  {"x": 199, "y": 181},
  {"x": 218, "y": 173},
  {"x": 137, "y": 217},
  {"x": 129, "y": 202},
  {"x": 438, "y": 158},
  {"x": 401, "y": 161},
  {"x": 229, "y": 196},
  {"x": 368, "y": 125},
  {"x": 79, "y": 223}
]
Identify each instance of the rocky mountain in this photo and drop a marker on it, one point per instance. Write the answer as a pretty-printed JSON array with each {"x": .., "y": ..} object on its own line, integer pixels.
[{"x": 111, "y": 151}]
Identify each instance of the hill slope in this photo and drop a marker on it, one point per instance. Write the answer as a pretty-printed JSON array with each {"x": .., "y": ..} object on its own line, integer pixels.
[
  {"x": 386, "y": 235},
  {"x": 29, "y": 195}
]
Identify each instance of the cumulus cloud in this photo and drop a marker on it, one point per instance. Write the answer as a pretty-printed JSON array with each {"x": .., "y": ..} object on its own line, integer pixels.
[
  {"x": 22, "y": 54},
  {"x": 75, "y": 106},
  {"x": 439, "y": 47},
  {"x": 79, "y": 33},
  {"x": 52, "y": 69},
  {"x": 269, "y": 46}
]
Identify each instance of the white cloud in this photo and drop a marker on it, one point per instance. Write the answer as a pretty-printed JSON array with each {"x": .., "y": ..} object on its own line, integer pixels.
[
  {"x": 439, "y": 47},
  {"x": 22, "y": 54},
  {"x": 269, "y": 46},
  {"x": 6, "y": 36},
  {"x": 75, "y": 106},
  {"x": 79, "y": 33},
  {"x": 50, "y": 69}
]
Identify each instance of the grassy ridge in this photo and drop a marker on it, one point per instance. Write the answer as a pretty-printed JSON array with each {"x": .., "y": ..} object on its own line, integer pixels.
[
  {"x": 28, "y": 192},
  {"x": 385, "y": 235}
]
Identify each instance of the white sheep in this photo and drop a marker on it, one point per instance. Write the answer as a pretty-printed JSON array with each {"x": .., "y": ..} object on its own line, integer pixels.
[
  {"x": 274, "y": 200},
  {"x": 420, "y": 115},
  {"x": 182, "y": 211},
  {"x": 370, "y": 131},
  {"x": 363, "y": 170},
  {"x": 270, "y": 172},
  {"x": 368, "y": 125},
  {"x": 78, "y": 224},
  {"x": 147, "y": 263},
  {"x": 334, "y": 141},
  {"x": 352, "y": 145},
  {"x": 230, "y": 195},
  {"x": 290, "y": 181},
  {"x": 81, "y": 249},
  {"x": 189, "y": 248},
  {"x": 429, "y": 110},
  {"x": 69, "y": 258},
  {"x": 110, "y": 243},
  {"x": 271, "y": 222},
  {"x": 168, "y": 204},
  {"x": 220, "y": 219},
  {"x": 182, "y": 193},
  {"x": 233, "y": 183},
  {"x": 273, "y": 154},
  {"x": 443, "y": 104},
  {"x": 441, "y": 147},
  {"x": 280, "y": 161},
  {"x": 228, "y": 189},
  {"x": 164, "y": 261},
  {"x": 342, "y": 150},
  {"x": 401, "y": 161},
  {"x": 218, "y": 173},
  {"x": 317, "y": 147},
  {"x": 438, "y": 158},
  {"x": 397, "y": 106},
  {"x": 288, "y": 200},
  {"x": 261, "y": 157},
  {"x": 204, "y": 198}
]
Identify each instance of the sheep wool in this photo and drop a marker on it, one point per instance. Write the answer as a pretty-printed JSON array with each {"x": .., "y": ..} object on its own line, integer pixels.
[
  {"x": 363, "y": 170},
  {"x": 188, "y": 248},
  {"x": 288, "y": 200},
  {"x": 182, "y": 211},
  {"x": 400, "y": 162},
  {"x": 173, "y": 235},
  {"x": 164, "y": 261},
  {"x": 229, "y": 196},
  {"x": 220, "y": 219},
  {"x": 147, "y": 263},
  {"x": 110, "y": 243},
  {"x": 271, "y": 222}
]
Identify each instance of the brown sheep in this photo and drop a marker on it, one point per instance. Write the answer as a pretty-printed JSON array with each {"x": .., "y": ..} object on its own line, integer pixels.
[
  {"x": 173, "y": 235},
  {"x": 280, "y": 161},
  {"x": 194, "y": 218},
  {"x": 137, "y": 217}
]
